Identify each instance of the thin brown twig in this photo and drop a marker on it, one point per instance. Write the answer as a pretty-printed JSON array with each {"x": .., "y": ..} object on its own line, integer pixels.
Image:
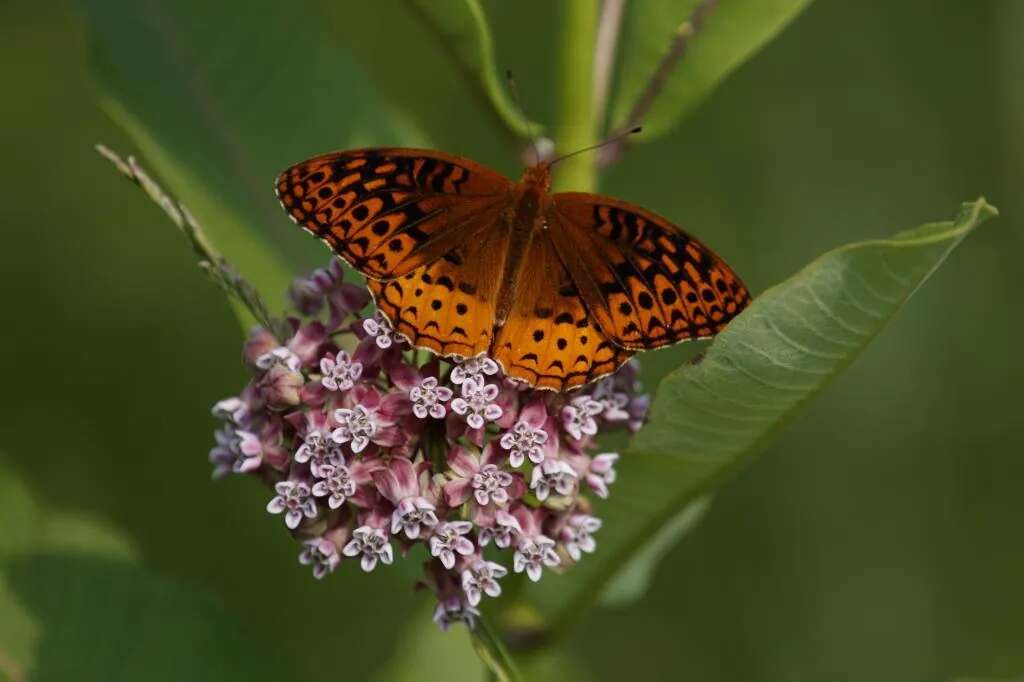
[
  {"x": 209, "y": 259},
  {"x": 684, "y": 35},
  {"x": 605, "y": 47}
]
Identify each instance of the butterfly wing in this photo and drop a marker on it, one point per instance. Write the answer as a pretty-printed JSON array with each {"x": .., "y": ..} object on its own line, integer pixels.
[
  {"x": 388, "y": 212},
  {"x": 647, "y": 283},
  {"x": 549, "y": 339},
  {"x": 448, "y": 305}
]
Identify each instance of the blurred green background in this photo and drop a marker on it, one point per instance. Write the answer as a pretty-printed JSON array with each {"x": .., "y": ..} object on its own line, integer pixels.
[{"x": 879, "y": 537}]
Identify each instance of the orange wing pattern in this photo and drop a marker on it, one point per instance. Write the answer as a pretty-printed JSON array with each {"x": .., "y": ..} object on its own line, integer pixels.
[
  {"x": 387, "y": 212},
  {"x": 647, "y": 283},
  {"x": 448, "y": 305},
  {"x": 549, "y": 340}
]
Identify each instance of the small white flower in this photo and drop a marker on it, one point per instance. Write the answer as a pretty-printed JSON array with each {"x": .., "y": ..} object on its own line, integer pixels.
[
  {"x": 454, "y": 610},
  {"x": 319, "y": 450},
  {"x": 293, "y": 498},
  {"x": 380, "y": 328},
  {"x": 524, "y": 441},
  {"x": 490, "y": 484},
  {"x": 578, "y": 416},
  {"x": 428, "y": 399},
  {"x": 578, "y": 535},
  {"x": 358, "y": 426},
  {"x": 477, "y": 403},
  {"x": 236, "y": 451},
  {"x": 321, "y": 554},
  {"x": 250, "y": 452},
  {"x": 552, "y": 474},
  {"x": 448, "y": 540},
  {"x": 279, "y": 356},
  {"x": 413, "y": 516},
  {"x": 503, "y": 532},
  {"x": 339, "y": 373},
  {"x": 602, "y": 473},
  {"x": 231, "y": 409},
  {"x": 336, "y": 484},
  {"x": 372, "y": 544},
  {"x": 482, "y": 577},
  {"x": 533, "y": 554},
  {"x": 613, "y": 403},
  {"x": 477, "y": 368}
]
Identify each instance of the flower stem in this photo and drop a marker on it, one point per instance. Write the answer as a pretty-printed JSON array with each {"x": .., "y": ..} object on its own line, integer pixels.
[
  {"x": 492, "y": 652},
  {"x": 577, "y": 123}
]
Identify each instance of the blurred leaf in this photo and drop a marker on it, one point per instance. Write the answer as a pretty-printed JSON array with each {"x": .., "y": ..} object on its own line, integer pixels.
[
  {"x": 25, "y": 528},
  {"x": 631, "y": 583},
  {"x": 19, "y": 632},
  {"x": 103, "y": 619},
  {"x": 730, "y": 33},
  {"x": 17, "y": 525},
  {"x": 220, "y": 98},
  {"x": 461, "y": 29},
  {"x": 709, "y": 420},
  {"x": 74, "y": 606}
]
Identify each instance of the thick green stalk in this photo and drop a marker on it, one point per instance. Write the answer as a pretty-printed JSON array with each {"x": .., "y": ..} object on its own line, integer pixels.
[{"x": 576, "y": 126}]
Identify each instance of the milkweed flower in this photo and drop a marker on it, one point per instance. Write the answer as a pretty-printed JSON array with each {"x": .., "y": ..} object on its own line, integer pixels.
[{"x": 371, "y": 450}]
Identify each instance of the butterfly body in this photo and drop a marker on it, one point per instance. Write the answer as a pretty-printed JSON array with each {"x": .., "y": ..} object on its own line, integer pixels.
[
  {"x": 560, "y": 289},
  {"x": 524, "y": 218}
]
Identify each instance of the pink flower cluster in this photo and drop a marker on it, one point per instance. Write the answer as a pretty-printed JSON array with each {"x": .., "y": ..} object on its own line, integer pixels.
[{"x": 369, "y": 451}]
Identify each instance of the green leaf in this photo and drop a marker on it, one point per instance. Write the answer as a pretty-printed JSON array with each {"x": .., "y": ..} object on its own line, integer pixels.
[
  {"x": 104, "y": 619},
  {"x": 710, "y": 419},
  {"x": 460, "y": 27},
  {"x": 26, "y": 528},
  {"x": 73, "y": 605},
  {"x": 220, "y": 98},
  {"x": 631, "y": 583},
  {"x": 730, "y": 33}
]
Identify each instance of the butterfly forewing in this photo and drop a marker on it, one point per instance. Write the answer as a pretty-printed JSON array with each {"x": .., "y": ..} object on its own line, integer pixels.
[
  {"x": 647, "y": 283},
  {"x": 549, "y": 340},
  {"x": 448, "y": 305},
  {"x": 388, "y": 212}
]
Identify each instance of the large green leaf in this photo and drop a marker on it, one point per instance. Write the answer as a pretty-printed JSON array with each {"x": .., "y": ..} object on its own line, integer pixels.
[
  {"x": 730, "y": 33},
  {"x": 709, "y": 419},
  {"x": 103, "y": 619},
  {"x": 75, "y": 605},
  {"x": 220, "y": 98}
]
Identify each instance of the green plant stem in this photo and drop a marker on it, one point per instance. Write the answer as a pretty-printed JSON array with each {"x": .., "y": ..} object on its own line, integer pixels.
[
  {"x": 489, "y": 647},
  {"x": 576, "y": 126}
]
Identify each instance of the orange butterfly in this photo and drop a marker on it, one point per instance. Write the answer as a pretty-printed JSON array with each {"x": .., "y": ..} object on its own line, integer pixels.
[{"x": 560, "y": 289}]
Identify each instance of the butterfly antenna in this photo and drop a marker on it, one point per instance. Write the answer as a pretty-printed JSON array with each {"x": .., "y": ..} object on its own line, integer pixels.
[
  {"x": 522, "y": 111},
  {"x": 610, "y": 140}
]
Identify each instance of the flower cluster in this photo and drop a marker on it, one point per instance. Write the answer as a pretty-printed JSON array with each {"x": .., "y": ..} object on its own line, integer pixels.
[{"x": 370, "y": 451}]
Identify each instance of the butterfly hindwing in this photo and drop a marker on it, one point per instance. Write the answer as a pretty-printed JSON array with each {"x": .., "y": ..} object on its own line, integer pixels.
[
  {"x": 448, "y": 305},
  {"x": 388, "y": 212},
  {"x": 549, "y": 339},
  {"x": 647, "y": 283}
]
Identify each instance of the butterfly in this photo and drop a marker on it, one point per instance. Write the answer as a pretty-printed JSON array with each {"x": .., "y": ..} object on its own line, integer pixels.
[{"x": 560, "y": 289}]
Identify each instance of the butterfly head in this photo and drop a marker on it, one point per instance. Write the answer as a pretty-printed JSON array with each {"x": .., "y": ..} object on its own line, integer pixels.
[{"x": 538, "y": 176}]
